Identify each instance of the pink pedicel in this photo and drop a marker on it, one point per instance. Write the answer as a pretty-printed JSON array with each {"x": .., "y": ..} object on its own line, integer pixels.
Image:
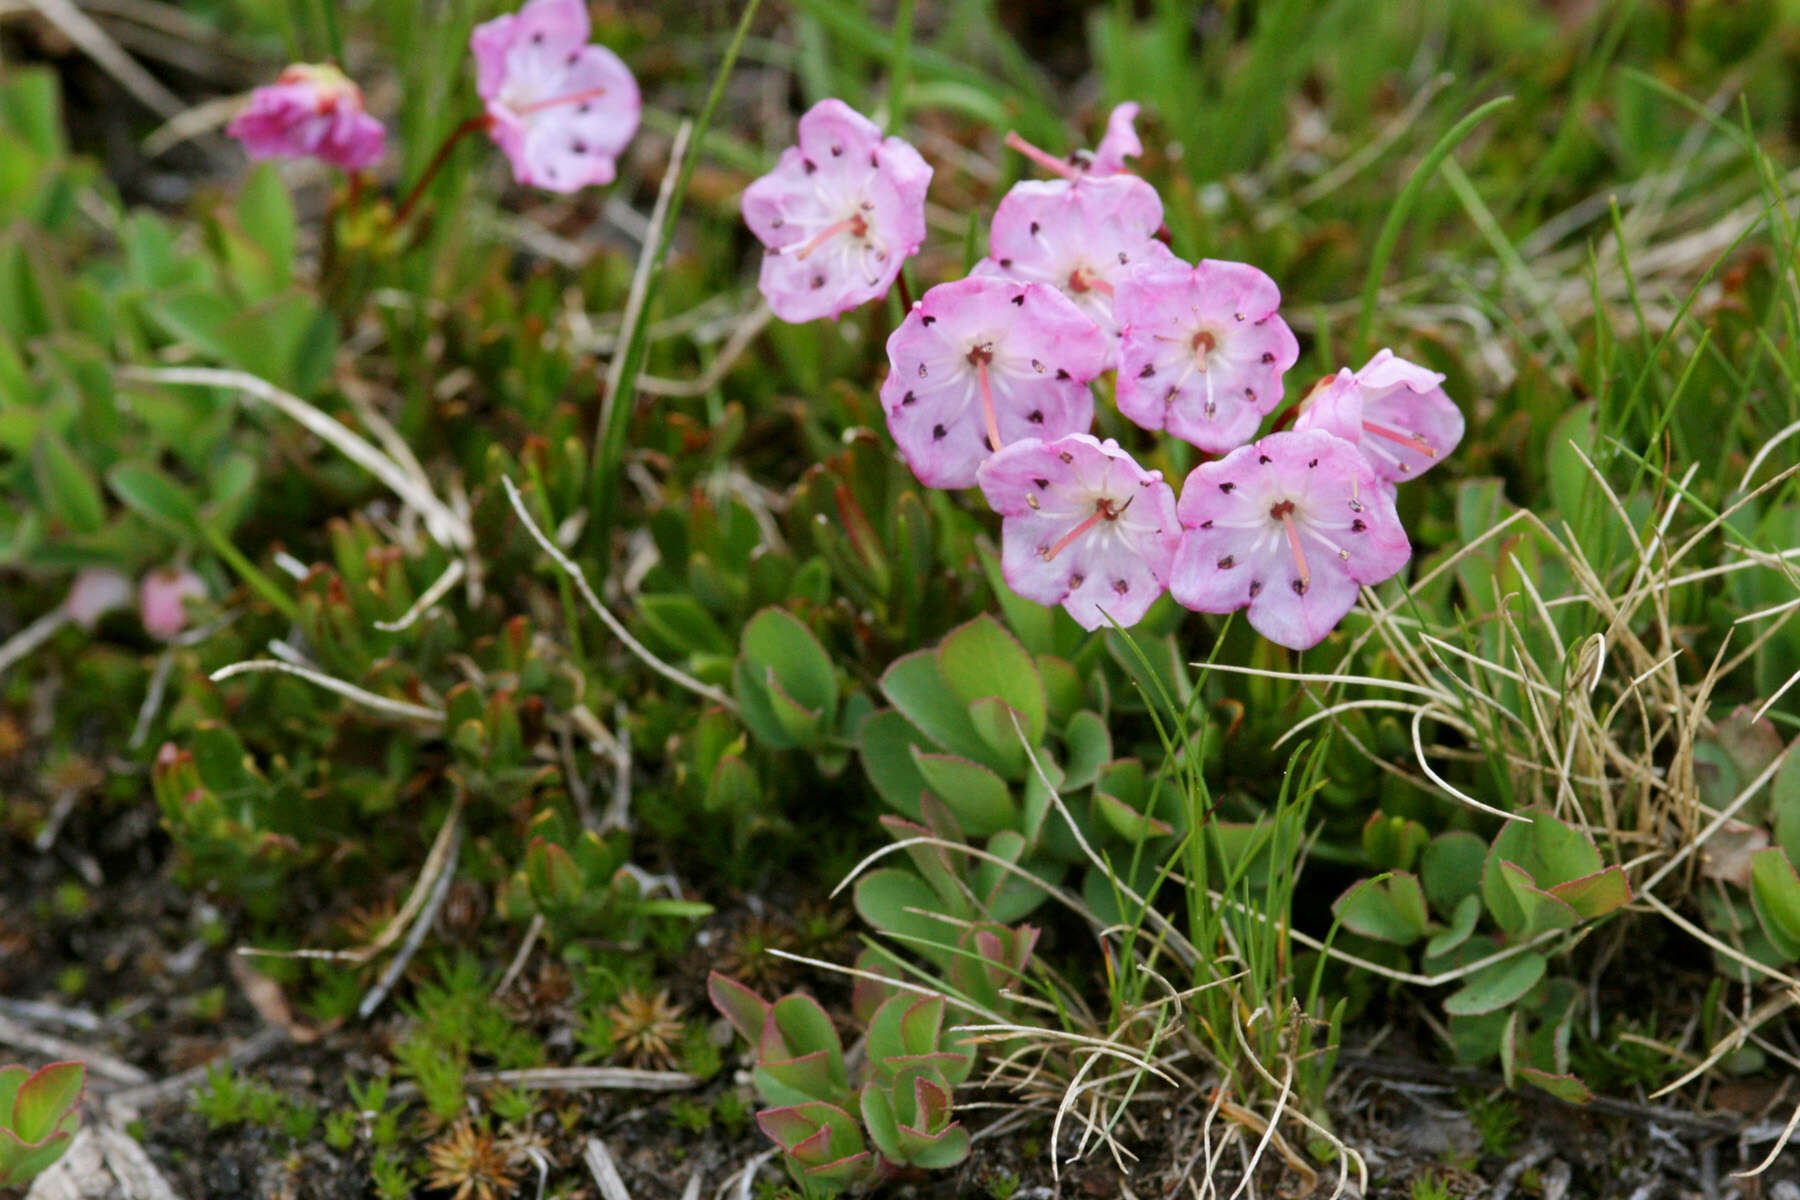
[
  {"x": 1291, "y": 525},
  {"x": 1083, "y": 238},
  {"x": 1084, "y": 527},
  {"x": 1201, "y": 351},
  {"x": 311, "y": 111},
  {"x": 163, "y": 597},
  {"x": 839, "y": 215},
  {"x": 1394, "y": 411},
  {"x": 981, "y": 363},
  {"x": 560, "y": 109}
]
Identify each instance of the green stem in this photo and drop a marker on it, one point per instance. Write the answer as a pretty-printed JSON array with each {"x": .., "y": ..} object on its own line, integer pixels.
[
  {"x": 334, "y": 39},
  {"x": 248, "y": 571},
  {"x": 900, "y": 70},
  {"x": 609, "y": 444},
  {"x": 1396, "y": 218}
]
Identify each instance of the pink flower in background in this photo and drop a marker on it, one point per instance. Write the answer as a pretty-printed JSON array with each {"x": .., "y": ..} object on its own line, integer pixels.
[
  {"x": 1291, "y": 525},
  {"x": 163, "y": 597},
  {"x": 1082, "y": 238},
  {"x": 560, "y": 109},
  {"x": 1202, "y": 351},
  {"x": 1394, "y": 411},
  {"x": 96, "y": 592},
  {"x": 840, "y": 214},
  {"x": 312, "y": 110},
  {"x": 1085, "y": 527},
  {"x": 981, "y": 363}
]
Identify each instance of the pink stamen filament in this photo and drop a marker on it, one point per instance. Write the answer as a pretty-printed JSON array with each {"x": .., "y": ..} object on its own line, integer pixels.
[
  {"x": 1394, "y": 435},
  {"x": 1293, "y": 535},
  {"x": 1043, "y": 159},
  {"x": 1083, "y": 280},
  {"x": 987, "y": 410},
  {"x": 1204, "y": 343},
  {"x": 1062, "y": 543},
  {"x": 854, "y": 225},
  {"x": 571, "y": 98}
]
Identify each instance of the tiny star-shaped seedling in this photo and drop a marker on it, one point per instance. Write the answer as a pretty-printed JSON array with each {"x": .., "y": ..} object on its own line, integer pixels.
[
  {"x": 1290, "y": 525},
  {"x": 839, "y": 215},
  {"x": 1084, "y": 527},
  {"x": 560, "y": 109},
  {"x": 1394, "y": 411},
  {"x": 1082, "y": 238},
  {"x": 1202, "y": 351},
  {"x": 981, "y": 363}
]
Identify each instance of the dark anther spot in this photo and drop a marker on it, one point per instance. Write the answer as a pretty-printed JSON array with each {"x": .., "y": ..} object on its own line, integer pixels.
[
  {"x": 1226, "y": 563},
  {"x": 1250, "y": 394},
  {"x": 1066, "y": 456},
  {"x": 1237, "y": 316},
  {"x": 988, "y": 441},
  {"x": 818, "y": 281},
  {"x": 837, "y": 152},
  {"x": 578, "y": 146},
  {"x": 1041, "y": 484},
  {"x": 584, "y": 108},
  {"x": 1226, "y": 487},
  {"x": 1313, "y": 463},
  {"x": 1034, "y": 228},
  {"x": 574, "y": 57},
  {"x": 1006, "y": 264},
  {"x": 1036, "y": 416},
  {"x": 1206, "y": 524},
  {"x": 1255, "y": 587},
  {"x": 1037, "y": 366},
  {"x": 1019, "y": 299},
  {"x": 1264, "y": 459},
  {"x": 1267, "y": 357},
  {"x": 1122, "y": 257},
  {"x": 873, "y": 160},
  {"x": 1299, "y": 586},
  {"x": 1261, "y": 321},
  {"x": 1357, "y": 526},
  {"x": 810, "y": 165},
  {"x": 1119, "y": 585},
  {"x": 938, "y": 432},
  {"x": 921, "y": 370},
  {"x": 537, "y": 39},
  {"x": 908, "y": 398},
  {"x": 1356, "y": 506},
  {"x": 1169, "y": 396},
  {"x": 1061, "y": 374},
  {"x": 1076, "y": 581},
  {"x": 775, "y": 223},
  {"x": 926, "y": 320},
  {"x": 1147, "y": 372}
]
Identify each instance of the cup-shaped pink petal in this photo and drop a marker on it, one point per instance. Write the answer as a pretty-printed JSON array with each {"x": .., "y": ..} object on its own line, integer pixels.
[
  {"x": 981, "y": 363},
  {"x": 96, "y": 592},
  {"x": 839, "y": 215},
  {"x": 1395, "y": 411},
  {"x": 560, "y": 109},
  {"x": 311, "y": 111},
  {"x": 1291, "y": 526},
  {"x": 1202, "y": 351},
  {"x": 1082, "y": 238},
  {"x": 1084, "y": 527},
  {"x": 1119, "y": 143}
]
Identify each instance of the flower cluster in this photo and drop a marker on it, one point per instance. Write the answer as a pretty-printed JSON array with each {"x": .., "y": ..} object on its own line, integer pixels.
[
  {"x": 988, "y": 386},
  {"x": 562, "y": 110}
]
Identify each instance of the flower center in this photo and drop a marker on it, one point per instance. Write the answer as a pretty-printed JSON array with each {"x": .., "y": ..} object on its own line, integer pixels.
[
  {"x": 981, "y": 355},
  {"x": 1103, "y": 511},
  {"x": 1283, "y": 511},
  {"x": 1083, "y": 279},
  {"x": 854, "y": 225},
  {"x": 1204, "y": 344}
]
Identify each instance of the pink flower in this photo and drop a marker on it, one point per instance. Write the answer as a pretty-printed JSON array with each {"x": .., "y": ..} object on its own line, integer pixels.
[
  {"x": 163, "y": 597},
  {"x": 96, "y": 592},
  {"x": 1085, "y": 527},
  {"x": 1290, "y": 525},
  {"x": 980, "y": 363},
  {"x": 311, "y": 110},
  {"x": 1202, "y": 351},
  {"x": 840, "y": 214},
  {"x": 1082, "y": 238},
  {"x": 560, "y": 109},
  {"x": 1394, "y": 411}
]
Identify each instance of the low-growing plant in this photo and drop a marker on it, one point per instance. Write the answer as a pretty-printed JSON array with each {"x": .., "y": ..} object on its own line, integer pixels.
[{"x": 39, "y": 1114}]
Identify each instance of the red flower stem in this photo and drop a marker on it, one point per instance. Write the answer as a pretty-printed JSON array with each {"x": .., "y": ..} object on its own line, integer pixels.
[
  {"x": 472, "y": 125},
  {"x": 906, "y": 296},
  {"x": 1042, "y": 158}
]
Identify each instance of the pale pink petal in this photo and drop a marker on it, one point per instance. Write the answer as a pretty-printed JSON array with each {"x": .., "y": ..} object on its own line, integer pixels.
[
  {"x": 96, "y": 592},
  {"x": 163, "y": 597},
  {"x": 1119, "y": 143}
]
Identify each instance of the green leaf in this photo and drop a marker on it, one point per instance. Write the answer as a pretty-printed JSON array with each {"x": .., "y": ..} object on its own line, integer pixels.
[
  {"x": 1566, "y": 1088},
  {"x": 150, "y": 493},
  {"x": 19, "y": 1162},
  {"x": 982, "y": 659},
  {"x": 886, "y": 741},
  {"x": 1494, "y": 987},
  {"x": 878, "y": 1119},
  {"x": 1388, "y": 909},
  {"x": 914, "y": 685},
  {"x": 1462, "y": 924},
  {"x": 1775, "y": 894},
  {"x": 1595, "y": 895},
  {"x": 980, "y": 799},
  {"x": 265, "y": 214},
  {"x": 1538, "y": 909},
  {"x": 679, "y": 620},
  {"x": 778, "y": 641},
  {"x": 884, "y": 898},
  {"x": 69, "y": 492},
  {"x": 1089, "y": 745},
  {"x": 993, "y": 720},
  {"x": 746, "y": 1010},
  {"x": 47, "y": 1101},
  {"x": 1126, "y": 821}
]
